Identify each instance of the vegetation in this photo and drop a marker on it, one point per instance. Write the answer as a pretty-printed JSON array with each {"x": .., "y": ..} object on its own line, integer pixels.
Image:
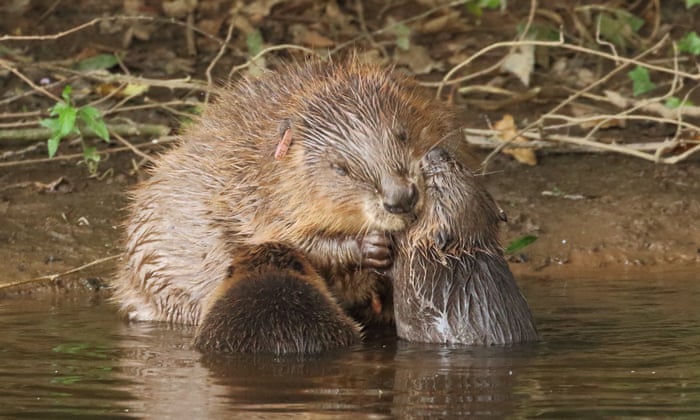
[{"x": 68, "y": 120}]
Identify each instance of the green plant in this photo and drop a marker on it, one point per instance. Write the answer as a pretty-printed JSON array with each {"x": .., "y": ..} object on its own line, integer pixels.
[
  {"x": 476, "y": 7},
  {"x": 674, "y": 102},
  {"x": 520, "y": 243},
  {"x": 71, "y": 120},
  {"x": 641, "y": 82},
  {"x": 690, "y": 43},
  {"x": 619, "y": 26}
]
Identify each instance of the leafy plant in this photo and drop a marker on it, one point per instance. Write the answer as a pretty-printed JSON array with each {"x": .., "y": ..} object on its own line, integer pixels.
[
  {"x": 641, "y": 82},
  {"x": 98, "y": 62},
  {"x": 476, "y": 7},
  {"x": 403, "y": 36},
  {"x": 674, "y": 102},
  {"x": 691, "y": 3},
  {"x": 71, "y": 120},
  {"x": 520, "y": 243},
  {"x": 619, "y": 27},
  {"x": 690, "y": 43}
]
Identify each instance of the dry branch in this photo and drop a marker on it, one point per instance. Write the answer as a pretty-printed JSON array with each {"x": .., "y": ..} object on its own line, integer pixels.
[{"x": 23, "y": 135}]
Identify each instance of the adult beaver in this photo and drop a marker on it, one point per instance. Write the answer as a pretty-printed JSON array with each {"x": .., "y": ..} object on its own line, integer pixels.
[
  {"x": 274, "y": 301},
  {"x": 451, "y": 281},
  {"x": 323, "y": 157}
]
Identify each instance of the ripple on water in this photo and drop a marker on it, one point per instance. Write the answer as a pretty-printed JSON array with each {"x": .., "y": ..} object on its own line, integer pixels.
[{"x": 609, "y": 348}]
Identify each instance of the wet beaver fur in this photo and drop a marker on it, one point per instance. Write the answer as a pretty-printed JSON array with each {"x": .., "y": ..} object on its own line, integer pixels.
[
  {"x": 322, "y": 157},
  {"x": 321, "y": 163},
  {"x": 451, "y": 281},
  {"x": 274, "y": 301}
]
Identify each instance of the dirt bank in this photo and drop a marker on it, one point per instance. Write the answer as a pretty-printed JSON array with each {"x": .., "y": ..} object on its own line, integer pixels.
[{"x": 591, "y": 213}]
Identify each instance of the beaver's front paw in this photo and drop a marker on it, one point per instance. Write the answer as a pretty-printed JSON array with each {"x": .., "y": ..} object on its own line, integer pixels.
[{"x": 377, "y": 250}]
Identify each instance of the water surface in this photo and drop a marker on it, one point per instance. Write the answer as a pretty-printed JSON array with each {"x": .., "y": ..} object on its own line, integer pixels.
[{"x": 608, "y": 349}]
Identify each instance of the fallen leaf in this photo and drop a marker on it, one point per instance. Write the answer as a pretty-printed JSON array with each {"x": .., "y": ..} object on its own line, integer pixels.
[
  {"x": 260, "y": 9},
  {"x": 313, "y": 39},
  {"x": 520, "y": 62},
  {"x": 582, "y": 111},
  {"x": 508, "y": 130},
  {"x": 179, "y": 8},
  {"x": 418, "y": 59}
]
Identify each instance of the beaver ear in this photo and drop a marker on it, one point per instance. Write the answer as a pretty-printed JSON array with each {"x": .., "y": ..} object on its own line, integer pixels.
[{"x": 286, "y": 137}]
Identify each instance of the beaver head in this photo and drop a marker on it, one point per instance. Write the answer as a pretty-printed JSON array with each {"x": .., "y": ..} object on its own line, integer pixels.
[
  {"x": 451, "y": 281},
  {"x": 356, "y": 143}
]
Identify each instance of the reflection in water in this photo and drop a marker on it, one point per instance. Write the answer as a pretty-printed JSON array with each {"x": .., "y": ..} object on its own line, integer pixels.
[{"x": 608, "y": 349}]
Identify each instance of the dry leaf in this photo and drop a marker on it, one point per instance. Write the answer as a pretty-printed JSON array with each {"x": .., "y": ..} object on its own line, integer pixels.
[
  {"x": 260, "y": 9},
  {"x": 179, "y": 8},
  {"x": 418, "y": 60},
  {"x": 521, "y": 63},
  {"x": 435, "y": 25},
  {"x": 583, "y": 111},
  {"x": 313, "y": 39},
  {"x": 509, "y": 131}
]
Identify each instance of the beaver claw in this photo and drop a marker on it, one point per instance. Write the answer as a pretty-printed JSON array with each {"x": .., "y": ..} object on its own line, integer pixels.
[{"x": 377, "y": 251}]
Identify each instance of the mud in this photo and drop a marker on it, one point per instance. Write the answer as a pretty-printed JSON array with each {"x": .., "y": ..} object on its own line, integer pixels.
[{"x": 605, "y": 215}]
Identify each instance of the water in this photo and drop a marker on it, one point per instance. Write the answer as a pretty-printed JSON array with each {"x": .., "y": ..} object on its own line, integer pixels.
[{"x": 618, "y": 349}]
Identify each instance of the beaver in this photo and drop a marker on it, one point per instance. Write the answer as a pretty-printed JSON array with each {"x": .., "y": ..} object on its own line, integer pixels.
[
  {"x": 452, "y": 283},
  {"x": 273, "y": 301},
  {"x": 322, "y": 157}
]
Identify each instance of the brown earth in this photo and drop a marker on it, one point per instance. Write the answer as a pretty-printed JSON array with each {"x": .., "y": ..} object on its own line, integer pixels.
[
  {"x": 629, "y": 216},
  {"x": 592, "y": 213}
]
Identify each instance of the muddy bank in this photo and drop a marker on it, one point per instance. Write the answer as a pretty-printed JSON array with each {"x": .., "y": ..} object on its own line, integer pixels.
[{"x": 591, "y": 213}]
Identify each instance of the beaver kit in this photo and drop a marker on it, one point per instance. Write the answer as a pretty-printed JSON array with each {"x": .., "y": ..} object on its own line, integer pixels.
[{"x": 297, "y": 191}]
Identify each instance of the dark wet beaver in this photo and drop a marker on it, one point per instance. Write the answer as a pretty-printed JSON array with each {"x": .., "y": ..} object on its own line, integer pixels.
[
  {"x": 323, "y": 157},
  {"x": 274, "y": 301},
  {"x": 451, "y": 281}
]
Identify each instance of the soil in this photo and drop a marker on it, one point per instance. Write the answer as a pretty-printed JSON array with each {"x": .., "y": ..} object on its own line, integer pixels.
[{"x": 591, "y": 213}]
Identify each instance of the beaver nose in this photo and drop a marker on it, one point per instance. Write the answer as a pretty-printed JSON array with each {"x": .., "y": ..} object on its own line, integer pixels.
[{"x": 400, "y": 195}]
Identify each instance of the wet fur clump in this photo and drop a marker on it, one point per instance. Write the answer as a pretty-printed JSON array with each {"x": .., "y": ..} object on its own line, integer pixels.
[
  {"x": 274, "y": 302},
  {"x": 451, "y": 281}
]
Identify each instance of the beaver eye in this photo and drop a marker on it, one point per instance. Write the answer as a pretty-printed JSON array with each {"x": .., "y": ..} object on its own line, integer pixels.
[{"x": 339, "y": 169}]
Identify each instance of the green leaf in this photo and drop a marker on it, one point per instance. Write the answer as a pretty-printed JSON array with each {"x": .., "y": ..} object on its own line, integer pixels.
[
  {"x": 66, "y": 121},
  {"x": 690, "y": 43},
  {"x": 674, "y": 102},
  {"x": 520, "y": 243},
  {"x": 691, "y": 3},
  {"x": 641, "y": 83},
  {"x": 490, "y": 4},
  {"x": 632, "y": 21},
  {"x": 50, "y": 123},
  {"x": 619, "y": 27},
  {"x": 92, "y": 118},
  {"x": 66, "y": 94},
  {"x": 254, "y": 41},
  {"x": 403, "y": 36},
  {"x": 52, "y": 145},
  {"x": 474, "y": 9},
  {"x": 97, "y": 62}
]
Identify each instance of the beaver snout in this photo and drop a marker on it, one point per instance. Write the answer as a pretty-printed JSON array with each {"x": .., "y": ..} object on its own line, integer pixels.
[{"x": 399, "y": 195}]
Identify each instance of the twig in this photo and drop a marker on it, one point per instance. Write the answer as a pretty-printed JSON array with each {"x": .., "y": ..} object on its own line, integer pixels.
[
  {"x": 489, "y": 139},
  {"x": 210, "y": 67},
  {"x": 4, "y": 64},
  {"x": 131, "y": 147},
  {"x": 250, "y": 61},
  {"x": 13, "y": 137},
  {"x": 52, "y": 277},
  {"x": 153, "y": 143}
]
